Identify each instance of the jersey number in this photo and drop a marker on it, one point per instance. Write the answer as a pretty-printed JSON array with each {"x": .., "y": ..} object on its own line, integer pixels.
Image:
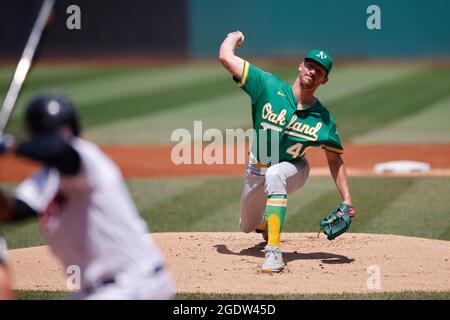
[{"x": 294, "y": 150}]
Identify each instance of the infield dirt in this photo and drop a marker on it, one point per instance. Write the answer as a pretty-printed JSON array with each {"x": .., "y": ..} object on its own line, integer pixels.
[{"x": 229, "y": 263}]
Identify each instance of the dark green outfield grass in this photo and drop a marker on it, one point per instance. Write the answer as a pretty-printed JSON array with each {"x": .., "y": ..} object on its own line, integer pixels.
[
  {"x": 406, "y": 295},
  {"x": 381, "y": 105},
  {"x": 131, "y": 105}
]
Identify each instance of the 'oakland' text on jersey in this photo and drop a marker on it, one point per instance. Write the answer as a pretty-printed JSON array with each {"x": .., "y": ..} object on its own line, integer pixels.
[{"x": 274, "y": 110}]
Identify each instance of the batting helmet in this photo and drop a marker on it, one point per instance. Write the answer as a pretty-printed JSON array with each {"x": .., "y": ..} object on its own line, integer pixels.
[{"x": 49, "y": 112}]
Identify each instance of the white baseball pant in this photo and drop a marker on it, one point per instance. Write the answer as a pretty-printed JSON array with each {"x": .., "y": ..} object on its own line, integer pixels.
[{"x": 132, "y": 286}]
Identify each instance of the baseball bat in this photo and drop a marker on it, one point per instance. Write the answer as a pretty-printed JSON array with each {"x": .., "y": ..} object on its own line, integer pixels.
[{"x": 25, "y": 62}]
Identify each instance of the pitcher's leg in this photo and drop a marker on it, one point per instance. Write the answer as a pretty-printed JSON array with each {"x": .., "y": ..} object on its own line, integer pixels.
[
  {"x": 287, "y": 177},
  {"x": 281, "y": 179},
  {"x": 253, "y": 202}
]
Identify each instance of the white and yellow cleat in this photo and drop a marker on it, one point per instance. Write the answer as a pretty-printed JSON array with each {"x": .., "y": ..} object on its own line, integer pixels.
[{"x": 273, "y": 261}]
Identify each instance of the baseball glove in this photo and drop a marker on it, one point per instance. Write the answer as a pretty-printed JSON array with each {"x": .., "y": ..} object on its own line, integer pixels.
[{"x": 338, "y": 221}]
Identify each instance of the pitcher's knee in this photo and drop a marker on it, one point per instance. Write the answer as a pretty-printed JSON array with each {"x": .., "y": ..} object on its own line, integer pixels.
[
  {"x": 275, "y": 181},
  {"x": 245, "y": 227}
]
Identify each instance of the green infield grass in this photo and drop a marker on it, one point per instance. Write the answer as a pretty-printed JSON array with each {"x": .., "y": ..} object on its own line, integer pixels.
[
  {"x": 405, "y": 295},
  {"x": 384, "y": 205}
]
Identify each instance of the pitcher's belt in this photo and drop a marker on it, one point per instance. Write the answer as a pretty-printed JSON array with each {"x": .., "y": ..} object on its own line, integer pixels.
[
  {"x": 255, "y": 163},
  {"x": 259, "y": 165}
]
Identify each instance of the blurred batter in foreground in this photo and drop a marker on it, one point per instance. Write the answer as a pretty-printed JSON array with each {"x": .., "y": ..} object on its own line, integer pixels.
[{"x": 88, "y": 216}]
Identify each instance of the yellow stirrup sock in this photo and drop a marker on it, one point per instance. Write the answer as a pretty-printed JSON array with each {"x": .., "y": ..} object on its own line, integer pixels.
[{"x": 275, "y": 210}]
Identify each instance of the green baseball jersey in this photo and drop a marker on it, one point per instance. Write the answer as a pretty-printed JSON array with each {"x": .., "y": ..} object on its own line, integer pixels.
[{"x": 276, "y": 119}]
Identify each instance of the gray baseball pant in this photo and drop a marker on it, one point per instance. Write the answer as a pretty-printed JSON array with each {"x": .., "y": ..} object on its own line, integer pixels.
[{"x": 282, "y": 178}]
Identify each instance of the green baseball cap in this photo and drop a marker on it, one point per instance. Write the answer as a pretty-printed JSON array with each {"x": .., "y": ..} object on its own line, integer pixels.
[{"x": 322, "y": 57}]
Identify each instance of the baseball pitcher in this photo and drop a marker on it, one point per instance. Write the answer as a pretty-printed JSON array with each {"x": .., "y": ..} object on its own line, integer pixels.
[
  {"x": 290, "y": 117},
  {"x": 87, "y": 214}
]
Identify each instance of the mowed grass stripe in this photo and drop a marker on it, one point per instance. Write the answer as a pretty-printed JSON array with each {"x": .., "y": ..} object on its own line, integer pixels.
[
  {"x": 142, "y": 81},
  {"x": 87, "y": 85},
  {"x": 302, "y": 204},
  {"x": 306, "y": 218},
  {"x": 347, "y": 80},
  {"x": 372, "y": 195},
  {"x": 369, "y": 196},
  {"x": 225, "y": 217},
  {"x": 23, "y": 234},
  {"x": 220, "y": 112},
  {"x": 430, "y": 125},
  {"x": 143, "y": 92},
  {"x": 146, "y": 104},
  {"x": 183, "y": 211},
  {"x": 151, "y": 195},
  {"x": 93, "y": 95},
  {"x": 41, "y": 76},
  {"x": 60, "y": 80},
  {"x": 94, "y": 90},
  {"x": 446, "y": 234},
  {"x": 419, "y": 211},
  {"x": 230, "y": 108},
  {"x": 57, "y": 80},
  {"x": 379, "y": 106},
  {"x": 160, "y": 191}
]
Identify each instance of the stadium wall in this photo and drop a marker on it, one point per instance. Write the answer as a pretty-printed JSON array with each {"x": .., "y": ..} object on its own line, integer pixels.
[
  {"x": 409, "y": 28},
  {"x": 108, "y": 27},
  {"x": 195, "y": 28}
]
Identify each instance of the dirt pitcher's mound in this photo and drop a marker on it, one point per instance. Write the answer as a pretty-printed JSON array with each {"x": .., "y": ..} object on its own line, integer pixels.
[{"x": 229, "y": 263}]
